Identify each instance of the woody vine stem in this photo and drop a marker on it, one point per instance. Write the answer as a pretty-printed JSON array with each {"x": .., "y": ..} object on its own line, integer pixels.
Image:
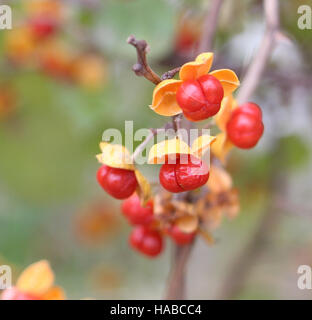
[
  {"x": 176, "y": 279},
  {"x": 176, "y": 285}
]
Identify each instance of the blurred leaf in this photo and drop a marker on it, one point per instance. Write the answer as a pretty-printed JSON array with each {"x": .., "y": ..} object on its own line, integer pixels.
[
  {"x": 292, "y": 152},
  {"x": 149, "y": 20}
]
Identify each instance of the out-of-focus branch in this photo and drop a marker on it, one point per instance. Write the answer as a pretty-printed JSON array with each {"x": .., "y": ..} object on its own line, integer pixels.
[
  {"x": 210, "y": 26},
  {"x": 242, "y": 265},
  {"x": 259, "y": 62},
  {"x": 284, "y": 79},
  {"x": 283, "y": 203},
  {"x": 240, "y": 270},
  {"x": 176, "y": 280},
  {"x": 142, "y": 68}
]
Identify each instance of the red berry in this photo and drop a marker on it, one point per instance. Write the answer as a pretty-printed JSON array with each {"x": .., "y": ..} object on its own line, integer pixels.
[
  {"x": 248, "y": 108},
  {"x": 184, "y": 41},
  {"x": 181, "y": 176},
  {"x": 146, "y": 241},
  {"x": 135, "y": 213},
  {"x": 119, "y": 183},
  {"x": 179, "y": 236},
  {"x": 43, "y": 27},
  {"x": 14, "y": 294},
  {"x": 201, "y": 98},
  {"x": 244, "y": 129}
]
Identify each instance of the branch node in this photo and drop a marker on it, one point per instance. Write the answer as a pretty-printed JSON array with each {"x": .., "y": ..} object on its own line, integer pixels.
[
  {"x": 142, "y": 68},
  {"x": 170, "y": 74}
]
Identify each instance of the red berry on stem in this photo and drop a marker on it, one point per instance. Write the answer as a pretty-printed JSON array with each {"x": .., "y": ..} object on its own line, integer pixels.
[
  {"x": 245, "y": 126},
  {"x": 248, "y": 108},
  {"x": 146, "y": 241},
  {"x": 135, "y": 213},
  {"x": 201, "y": 98},
  {"x": 119, "y": 183},
  {"x": 180, "y": 237},
  {"x": 181, "y": 176}
]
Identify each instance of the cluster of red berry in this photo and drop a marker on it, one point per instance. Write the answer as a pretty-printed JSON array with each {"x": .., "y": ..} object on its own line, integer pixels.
[
  {"x": 201, "y": 98},
  {"x": 145, "y": 237},
  {"x": 198, "y": 96},
  {"x": 38, "y": 42},
  {"x": 26, "y": 43}
]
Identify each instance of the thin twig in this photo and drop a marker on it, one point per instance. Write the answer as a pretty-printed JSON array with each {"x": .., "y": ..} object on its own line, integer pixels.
[
  {"x": 170, "y": 74},
  {"x": 176, "y": 122},
  {"x": 142, "y": 145},
  {"x": 142, "y": 68},
  {"x": 210, "y": 26},
  {"x": 260, "y": 60}
]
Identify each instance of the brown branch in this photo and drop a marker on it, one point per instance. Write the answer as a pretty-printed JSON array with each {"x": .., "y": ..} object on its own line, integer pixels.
[
  {"x": 176, "y": 279},
  {"x": 141, "y": 68},
  {"x": 210, "y": 26},
  {"x": 260, "y": 60}
]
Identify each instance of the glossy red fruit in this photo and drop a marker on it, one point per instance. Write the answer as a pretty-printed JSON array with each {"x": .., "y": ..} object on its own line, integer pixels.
[
  {"x": 119, "y": 183},
  {"x": 43, "y": 27},
  {"x": 201, "y": 98},
  {"x": 181, "y": 176},
  {"x": 248, "y": 108},
  {"x": 245, "y": 126},
  {"x": 15, "y": 294},
  {"x": 180, "y": 237},
  {"x": 135, "y": 213},
  {"x": 146, "y": 241}
]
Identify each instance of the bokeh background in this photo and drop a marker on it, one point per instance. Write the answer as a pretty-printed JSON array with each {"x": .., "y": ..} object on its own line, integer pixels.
[{"x": 51, "y": 123}]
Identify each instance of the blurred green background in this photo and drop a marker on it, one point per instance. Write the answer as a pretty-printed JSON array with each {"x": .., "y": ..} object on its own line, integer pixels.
[{"x": 51, "y": 206}]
